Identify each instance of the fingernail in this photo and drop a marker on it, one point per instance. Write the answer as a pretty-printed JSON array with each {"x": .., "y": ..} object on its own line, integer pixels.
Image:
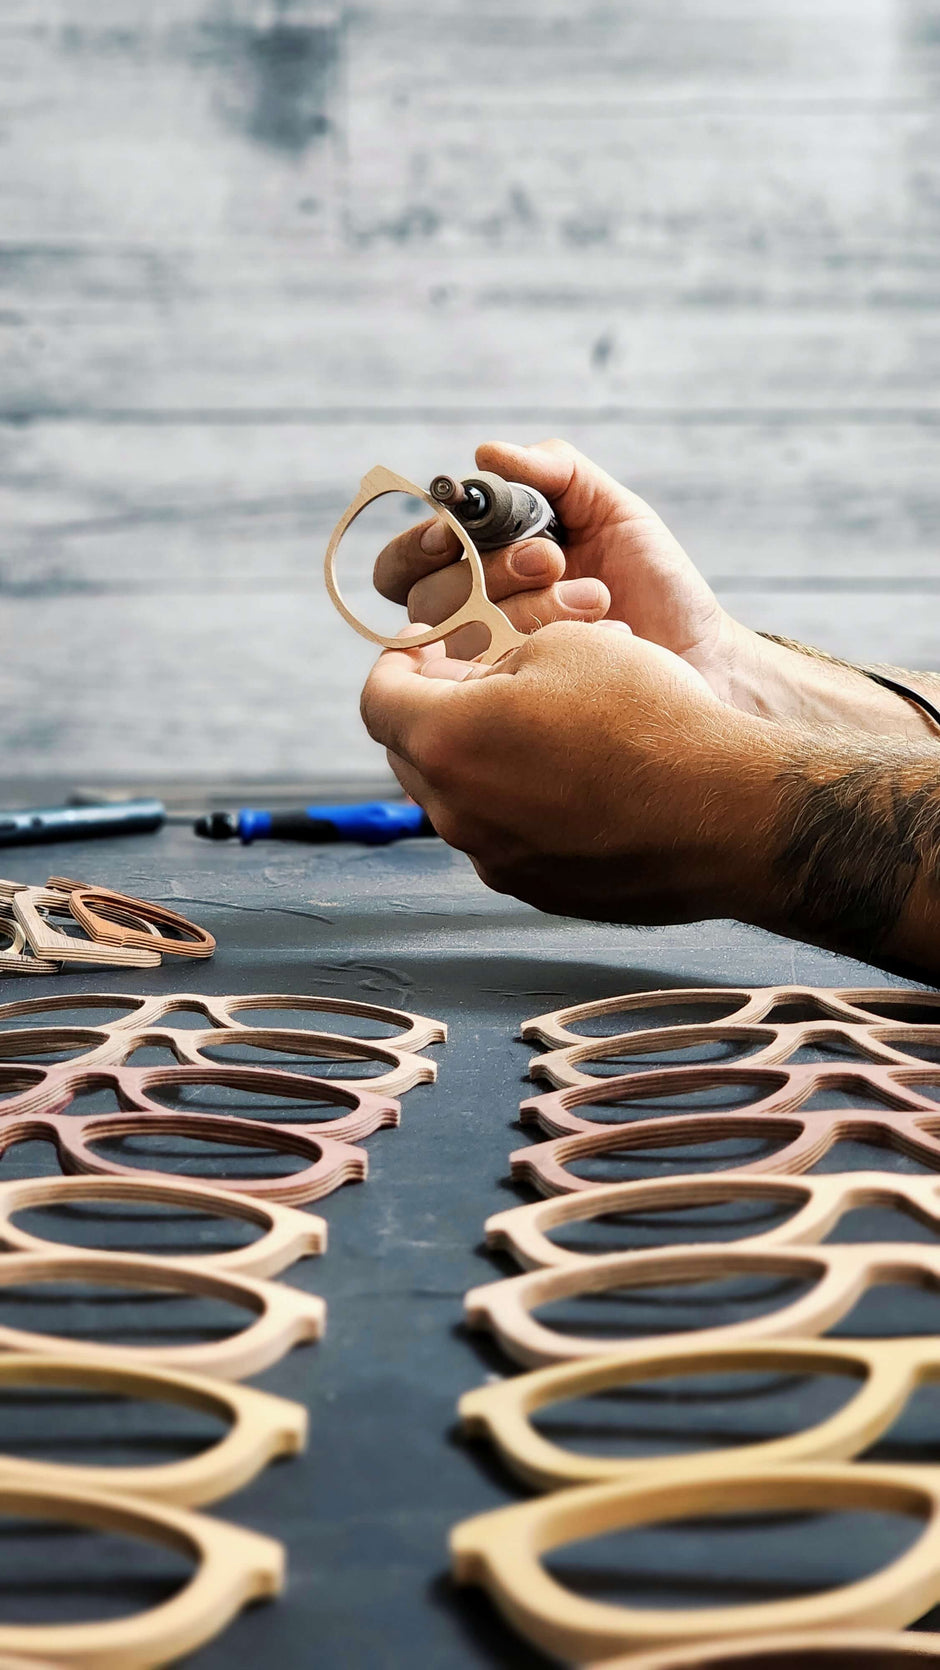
[
  {"x": 435, "y": 539},
  {"x": 579, "y": 594},
  {"x": 618, "y": 625},
  {"x": 528, "y": 562}
]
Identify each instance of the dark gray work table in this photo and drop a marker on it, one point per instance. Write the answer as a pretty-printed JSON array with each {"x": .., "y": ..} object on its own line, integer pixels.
[{"x": 365, "y": 1512}]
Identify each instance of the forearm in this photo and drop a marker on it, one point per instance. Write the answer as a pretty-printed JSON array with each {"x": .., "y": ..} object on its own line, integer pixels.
[{"x": 838, "y": 843}]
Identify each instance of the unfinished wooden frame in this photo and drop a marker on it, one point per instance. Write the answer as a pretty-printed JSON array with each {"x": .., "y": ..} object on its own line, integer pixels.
[
  {"x": 233, "y": 1568},
  {"x": 840, "y": 1276},
  {"x": 885, "y": 1374},
  {"x": 756, "y": 1046},
  {"x": 141, "y": 1012},
  {"x": 260, "y": 1428},
  {"x": 285, "y": 1317},
  {"x": 287, "y": 1234},
  {"x": 816, "y": 1205},
  {"x": 476, "y": 611},
  {"x": 850, "y": 1649},
  {"x": 29, "y": 1089},
  {"x": 112, "y": 1045},
  {"x": 502, "y": 1552},
  {"x": 51, "y": 943},
  {"x": 104, "y": 916},
  {"x": 329, "y": 1163},
  {"x": 738, "y": 1005}
]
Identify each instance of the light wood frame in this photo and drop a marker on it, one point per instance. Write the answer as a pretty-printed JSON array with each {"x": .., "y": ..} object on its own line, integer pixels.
[
  {"x": 16, "y": 957},
  {"x": 785, "y": 1091},
  {"x": 50, "y": 943},
  {"x": 233, "y": 1568},
  {"x": 285, "y": 1316},
  {"x": 144, "y": 1011},
  {"x": 260, "y": 1428},
  {"x": 288, "y": 1234},
  {"x": 841, "y": 1274},
  {"x": 818, "y": 1203},
  {"x": 886, "y": 1374},
  {"x": 502, "y": 1551},
  {"x": 112, "y": 1045},
  {"x": 845, "y": 1004},
  {"x": 478, "y": 610},
  {"x": 850, "y": 1649},
  {"x": 882, "y": 1045}
]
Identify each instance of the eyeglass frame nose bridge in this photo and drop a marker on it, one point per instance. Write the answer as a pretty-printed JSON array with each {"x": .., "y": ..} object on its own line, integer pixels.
[{"x": 478, "y": 610}]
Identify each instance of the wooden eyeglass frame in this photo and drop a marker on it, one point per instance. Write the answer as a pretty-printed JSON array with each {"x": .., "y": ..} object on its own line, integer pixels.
[
  {"x": 842, "y": 1275},
  {"x": 260, "y": 1428},
  {"x": 886, "y": 1374},
  {"x": 849, "y": 1649},
  {"x": 233, "y": 1568},
  {"x": 845, "y": 1004},
  {"x": 285, "y": 1316},
  {"x": 502, "y": 1550},
  {"x": 478, "y": 610},
  {"x": 288, "y": 1235},
  {"x": 818, "y": 1204}
]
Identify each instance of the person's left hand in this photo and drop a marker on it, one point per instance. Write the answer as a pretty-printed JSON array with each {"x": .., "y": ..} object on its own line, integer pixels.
[{"x": 589, "y": 772}]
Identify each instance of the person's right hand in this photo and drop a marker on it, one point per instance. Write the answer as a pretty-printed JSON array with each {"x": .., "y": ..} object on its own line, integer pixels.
[{"x": 619, "y": 559}]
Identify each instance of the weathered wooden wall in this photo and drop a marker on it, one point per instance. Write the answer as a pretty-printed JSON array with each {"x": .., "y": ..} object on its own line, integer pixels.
[{"x": 248, "y": 249}]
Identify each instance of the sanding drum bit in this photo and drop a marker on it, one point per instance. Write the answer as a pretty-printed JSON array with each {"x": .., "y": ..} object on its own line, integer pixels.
[{"x": 497, "y": 512}]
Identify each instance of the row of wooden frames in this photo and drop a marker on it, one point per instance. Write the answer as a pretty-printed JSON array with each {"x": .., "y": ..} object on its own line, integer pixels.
[
  {"x": 101, "y": 927},
  {"x": 232, "y": 1566},
  {"x": 883, "y": 1041}
]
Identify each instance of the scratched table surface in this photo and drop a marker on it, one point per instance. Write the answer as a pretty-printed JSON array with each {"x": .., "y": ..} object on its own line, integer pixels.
[{"x": 365, "y": 1512}]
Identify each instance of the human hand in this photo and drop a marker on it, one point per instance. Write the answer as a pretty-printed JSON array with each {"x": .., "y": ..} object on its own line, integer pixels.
[
  {"x": 620, "y": 561},
  {"x": 589, "y": 772}
]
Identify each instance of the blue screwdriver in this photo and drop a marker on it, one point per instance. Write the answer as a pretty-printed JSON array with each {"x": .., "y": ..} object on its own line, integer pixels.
[{"x": 374, "y": 822}]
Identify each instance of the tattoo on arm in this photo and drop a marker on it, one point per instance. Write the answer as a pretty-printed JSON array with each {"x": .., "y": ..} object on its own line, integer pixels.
[{"x": 856, "y": 844}]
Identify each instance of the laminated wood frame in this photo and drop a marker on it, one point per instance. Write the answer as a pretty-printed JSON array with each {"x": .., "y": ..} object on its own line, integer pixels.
[
  {"x": 739, "y": 1005},
  {"x": 260, "y": 1427},
  {"x": 884, "y": 1373},
  {"x": 285, "y": 1317},
  {"x": 759, "y": 1046},
  {"x": 850, "y": 1649},
  {"x": 50, "y": 943},
  {"x": 840, "y": 1275},
  {"x": 288, "y": 1235},
  {"x": 779, "y": 1089},
  {"x": 233, "y": 1568},
  {"x": 476, "y": 611},
  {"x": 108, "y": 917},
  {"x": 329, "y": 1163},
  {"x": 33, "y": 1090},
  {"x": 115, "y": 1045},
  {"x": 142, "y": 1012},
  {"x": 816, "y": 1203},
  {"x": 502, "y": 1551}
]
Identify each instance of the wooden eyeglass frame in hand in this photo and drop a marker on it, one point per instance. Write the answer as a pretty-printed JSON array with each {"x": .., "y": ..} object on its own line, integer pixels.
[{"x": 476, "y": 611}]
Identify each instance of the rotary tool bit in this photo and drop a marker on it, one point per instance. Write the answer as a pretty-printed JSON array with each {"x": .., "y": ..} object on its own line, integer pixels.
[{"x": 496, "y": 512}]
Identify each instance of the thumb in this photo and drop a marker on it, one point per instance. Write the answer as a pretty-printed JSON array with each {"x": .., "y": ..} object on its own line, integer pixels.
[{"x": 584, "y": 495}]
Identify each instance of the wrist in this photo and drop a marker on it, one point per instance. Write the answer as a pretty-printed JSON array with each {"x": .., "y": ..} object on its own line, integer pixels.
[{"x": 786, "y": 683}]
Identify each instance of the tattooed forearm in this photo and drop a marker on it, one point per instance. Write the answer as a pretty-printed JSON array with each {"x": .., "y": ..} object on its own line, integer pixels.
[{"x": 858, "y": 841}]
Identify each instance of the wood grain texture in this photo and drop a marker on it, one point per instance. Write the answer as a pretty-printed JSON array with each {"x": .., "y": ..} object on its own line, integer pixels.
[{"x": 247, "y": 250}]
